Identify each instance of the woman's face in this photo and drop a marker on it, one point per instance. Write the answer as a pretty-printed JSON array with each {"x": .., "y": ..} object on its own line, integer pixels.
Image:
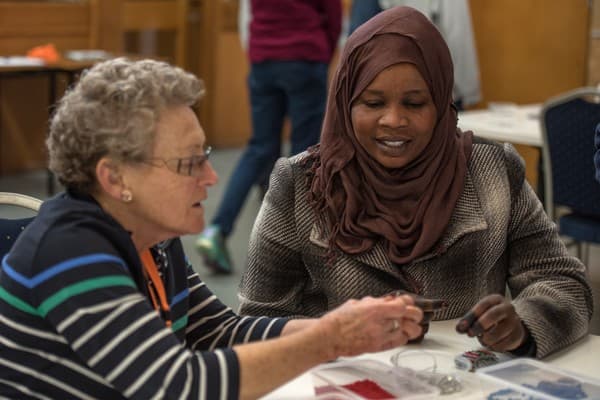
[
  {"x": 394, "y": 117},
  {"x": 165, "y": 202}
]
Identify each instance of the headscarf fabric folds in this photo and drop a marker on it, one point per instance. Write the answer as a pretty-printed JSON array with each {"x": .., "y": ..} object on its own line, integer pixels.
[{"x": 359, "y": 200}]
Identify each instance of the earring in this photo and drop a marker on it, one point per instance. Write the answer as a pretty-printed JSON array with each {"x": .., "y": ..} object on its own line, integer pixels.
[{"x": 126, "y": 195}]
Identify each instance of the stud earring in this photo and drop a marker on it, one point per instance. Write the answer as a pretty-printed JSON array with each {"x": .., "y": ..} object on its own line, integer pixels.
[{"x": 126, "y": 195}]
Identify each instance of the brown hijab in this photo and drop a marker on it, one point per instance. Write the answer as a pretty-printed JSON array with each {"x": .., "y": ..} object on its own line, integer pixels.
[{"x": 361, "y": 201}]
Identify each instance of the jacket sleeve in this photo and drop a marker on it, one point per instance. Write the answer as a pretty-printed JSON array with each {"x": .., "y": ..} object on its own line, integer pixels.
[
  {"x": 211, "y": 324},
  {"x": 275, "y": 276},
  {"x": 549, "y": 287}
]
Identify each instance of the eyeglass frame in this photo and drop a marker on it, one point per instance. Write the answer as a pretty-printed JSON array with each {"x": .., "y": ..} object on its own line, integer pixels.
[{"x": 197, "y": 160}]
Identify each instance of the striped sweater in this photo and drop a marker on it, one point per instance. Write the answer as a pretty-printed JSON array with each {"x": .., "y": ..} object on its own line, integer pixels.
[{"x": 76, "y": 321}]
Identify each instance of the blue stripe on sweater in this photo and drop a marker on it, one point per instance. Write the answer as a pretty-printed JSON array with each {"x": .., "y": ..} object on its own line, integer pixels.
[
  {"x": 59, "y": 268},
  {"x": 179, "y": 296}
]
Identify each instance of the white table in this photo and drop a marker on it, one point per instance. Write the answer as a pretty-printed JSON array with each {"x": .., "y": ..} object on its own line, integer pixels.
[
  {"x": 506, "y": 123},
  {"x": 582, "y": 358}
]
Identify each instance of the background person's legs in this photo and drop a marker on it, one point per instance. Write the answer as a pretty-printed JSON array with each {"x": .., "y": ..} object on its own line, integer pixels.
[
  {"x": 268, "y": 110},
  {"x": 307, "y": 99},
  {"x": 305, "y": 87}
]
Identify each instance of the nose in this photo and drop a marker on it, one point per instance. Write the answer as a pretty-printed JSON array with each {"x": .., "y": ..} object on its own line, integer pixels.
[
  {"x": 210, "y": 177},
  {"x": 393, "y": 117}
]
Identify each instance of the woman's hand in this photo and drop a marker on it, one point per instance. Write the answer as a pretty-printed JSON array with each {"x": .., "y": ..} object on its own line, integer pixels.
[
  {"x": 496, "y": 324},
  {"x": 428, "y": 306},
  {"x": 370, "y": 325}
]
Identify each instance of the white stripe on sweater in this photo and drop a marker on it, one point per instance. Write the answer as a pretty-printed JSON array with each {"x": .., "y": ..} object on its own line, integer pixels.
[
  {"x": 100, "y": 354},
  {"x": 104, "y": 322},
  {"x": 45, "y": 378},
  {"x": 94, "y": 309},
  {"x": 223, "y": 373},
  {"x": 24, "y": 389},
  {"x": 136, "y": 353},
  {"x": 65, "y": 362},
  {"x": 31, "y": 331},
  {"x": 150, "y": 371},
  {"x": 160, "y": 394}
]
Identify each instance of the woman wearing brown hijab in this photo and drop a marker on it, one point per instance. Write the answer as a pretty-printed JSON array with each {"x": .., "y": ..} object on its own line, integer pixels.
[{"x": 396, "y": 197}]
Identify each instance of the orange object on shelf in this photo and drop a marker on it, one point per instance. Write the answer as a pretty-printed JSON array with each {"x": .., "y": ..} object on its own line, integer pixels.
[{"x": 46, "y": 52}]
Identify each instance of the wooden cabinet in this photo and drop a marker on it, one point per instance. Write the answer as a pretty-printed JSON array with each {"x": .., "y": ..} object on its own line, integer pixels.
[
  {"x": 530, "y": 50},
  {"x": 223, "y": 65}
]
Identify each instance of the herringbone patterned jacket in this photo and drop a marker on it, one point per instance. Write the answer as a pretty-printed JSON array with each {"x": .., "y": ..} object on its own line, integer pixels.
[{"x": 498, "y": 236}]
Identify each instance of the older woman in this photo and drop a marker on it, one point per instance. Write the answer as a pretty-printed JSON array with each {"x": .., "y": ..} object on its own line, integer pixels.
[
  {"x": 97, "y": 299},
  {"x": 397, "y": 197}
]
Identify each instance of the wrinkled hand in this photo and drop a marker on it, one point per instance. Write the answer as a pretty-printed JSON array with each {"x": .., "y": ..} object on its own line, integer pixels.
[
  {"x": 371, "y": 324},
  {"x": 428, "y": 306},
  {"x": 495, "y": 323}
]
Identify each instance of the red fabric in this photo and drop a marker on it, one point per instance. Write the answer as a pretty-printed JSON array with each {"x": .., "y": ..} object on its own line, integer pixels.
[
  {"x": 294, "y": 30},
  {"x": 369, "y": 390}
]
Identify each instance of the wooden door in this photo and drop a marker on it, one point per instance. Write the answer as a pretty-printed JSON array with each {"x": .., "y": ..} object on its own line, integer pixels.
[{"x": 530, "y": 50}]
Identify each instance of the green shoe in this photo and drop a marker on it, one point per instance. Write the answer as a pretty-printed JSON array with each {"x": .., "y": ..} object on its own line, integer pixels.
[{"x": 211, "y": 245}]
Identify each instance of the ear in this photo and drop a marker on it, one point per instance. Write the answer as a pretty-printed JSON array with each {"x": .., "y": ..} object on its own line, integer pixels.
[{"x": 109, "y": 178}]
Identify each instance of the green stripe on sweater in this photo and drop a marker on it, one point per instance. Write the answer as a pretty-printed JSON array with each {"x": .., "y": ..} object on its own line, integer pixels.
[
  {"x": 180, "y": 323},
  {"x": 82, "y": 287},
  {"x": 16, "y": 302}
]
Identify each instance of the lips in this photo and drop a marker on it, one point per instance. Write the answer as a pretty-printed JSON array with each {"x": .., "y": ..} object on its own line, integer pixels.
[
  {"x": 393, "y": 146},
  {"x": 392, "y": 143}
]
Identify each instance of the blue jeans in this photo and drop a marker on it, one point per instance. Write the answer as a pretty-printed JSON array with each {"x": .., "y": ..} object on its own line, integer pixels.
[
  {"x": 277, "y": 88},
  {"x": 361, "y": 12}
]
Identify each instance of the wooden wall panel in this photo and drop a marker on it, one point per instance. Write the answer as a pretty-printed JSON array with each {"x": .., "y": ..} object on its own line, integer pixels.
[
  {"x": 23, "y": 124},
  {"x": 232, "y": 107},
  {"x": 530, "y": 50},
  {"x": 24, "y": 100}
]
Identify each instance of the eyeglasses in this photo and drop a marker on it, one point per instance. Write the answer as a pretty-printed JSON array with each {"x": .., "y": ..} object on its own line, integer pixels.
[{"x": 188, "y": 166}]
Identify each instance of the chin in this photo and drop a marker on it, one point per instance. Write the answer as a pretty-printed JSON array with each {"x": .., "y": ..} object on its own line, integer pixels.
[{"x": 393, "y": 164}]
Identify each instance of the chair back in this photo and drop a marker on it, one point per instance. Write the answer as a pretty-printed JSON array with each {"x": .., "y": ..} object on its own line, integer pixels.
[
  {"x": 568, "y": 124},
  {"x": 11, "y": 228},
  {"x": 158, "y": 15}
]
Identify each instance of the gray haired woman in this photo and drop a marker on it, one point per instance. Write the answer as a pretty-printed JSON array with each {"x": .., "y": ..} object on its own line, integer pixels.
[{"x": 97, "y": 299}]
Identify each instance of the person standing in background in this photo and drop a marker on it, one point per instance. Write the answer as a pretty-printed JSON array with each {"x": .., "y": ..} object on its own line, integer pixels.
[
  {"x": 290, "y": 46},
  {"x": 453, "y": 20}
]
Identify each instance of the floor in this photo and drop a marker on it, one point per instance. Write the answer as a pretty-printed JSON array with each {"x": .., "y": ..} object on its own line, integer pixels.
[{"x": 225, "y": 287}]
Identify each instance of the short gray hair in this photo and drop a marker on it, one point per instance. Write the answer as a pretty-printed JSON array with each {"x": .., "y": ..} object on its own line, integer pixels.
[{"x": 112, "y": 111}]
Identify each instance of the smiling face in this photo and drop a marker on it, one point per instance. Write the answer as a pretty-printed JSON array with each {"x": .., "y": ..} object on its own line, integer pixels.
[
  {"x": 394, "y": 117},
  {"x": 165, "y": 203}
]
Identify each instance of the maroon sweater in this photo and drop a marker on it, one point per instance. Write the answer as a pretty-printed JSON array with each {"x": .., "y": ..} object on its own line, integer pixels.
[{"x": 294, "y": 30}]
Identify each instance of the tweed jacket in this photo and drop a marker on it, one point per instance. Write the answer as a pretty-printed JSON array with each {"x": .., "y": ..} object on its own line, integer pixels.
[{"x": 498, "y": 237}]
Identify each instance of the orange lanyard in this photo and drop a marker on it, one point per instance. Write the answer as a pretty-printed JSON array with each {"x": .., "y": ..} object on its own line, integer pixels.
[{"x": 157, "y": 287}]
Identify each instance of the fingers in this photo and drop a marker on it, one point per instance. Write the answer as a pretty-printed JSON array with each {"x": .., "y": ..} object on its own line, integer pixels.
[
  {"x": 507, "y": 335},
  {"x": 475, "y": 322},
  {"x": 466, "y": 322},
  {"x": 413, "y": 331},
  {"x": 414, "y": 314},
  {"x": 495, "y": 322},
  {"x": 430, "y": 305},
  {"x": 426, "y": 304}
]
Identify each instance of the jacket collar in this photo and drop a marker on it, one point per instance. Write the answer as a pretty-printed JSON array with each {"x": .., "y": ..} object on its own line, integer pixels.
[{"x": 466, "y": 218}]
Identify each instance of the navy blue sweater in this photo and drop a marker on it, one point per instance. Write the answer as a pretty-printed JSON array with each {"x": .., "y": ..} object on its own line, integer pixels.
[{"x": 76, "y": 320}]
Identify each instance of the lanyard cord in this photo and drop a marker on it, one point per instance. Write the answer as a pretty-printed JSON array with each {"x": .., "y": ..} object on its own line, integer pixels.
[{"x": 156, "y": 286}]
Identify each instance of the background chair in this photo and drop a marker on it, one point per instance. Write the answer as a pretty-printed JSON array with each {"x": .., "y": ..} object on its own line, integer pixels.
[
  {"x": 10, "y": 227},
  {"x": 158, "y": 15},
  {"x": 568, "y": 124}
]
